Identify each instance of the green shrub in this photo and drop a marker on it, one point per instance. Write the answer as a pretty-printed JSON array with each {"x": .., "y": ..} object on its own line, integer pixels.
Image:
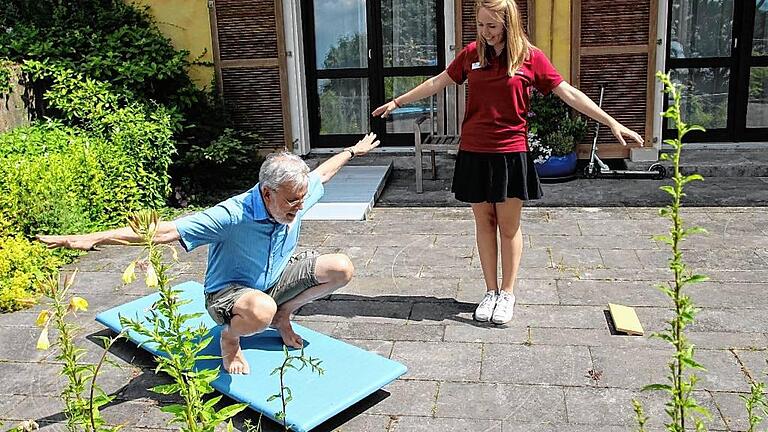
[
  {"x": 143, "y": 131},
  {"x": 551, "y": 121},
  {"x": 107, "y": 40},
  {"x": 56, "y": 179},
  {"x": 23, "y": 265}
]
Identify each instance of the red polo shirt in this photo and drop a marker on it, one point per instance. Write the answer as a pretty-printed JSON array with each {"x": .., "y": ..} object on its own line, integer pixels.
[{"x": 495, "y": 120}]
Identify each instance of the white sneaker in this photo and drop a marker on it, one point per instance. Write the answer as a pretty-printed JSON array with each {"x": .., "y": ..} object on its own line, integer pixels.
[
  {"x": 485, "y": 308},
  {"x": 505, "y": 307}
]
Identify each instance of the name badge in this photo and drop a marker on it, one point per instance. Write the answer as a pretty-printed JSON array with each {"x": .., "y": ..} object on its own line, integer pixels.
[{"x": 475, "y": 65}]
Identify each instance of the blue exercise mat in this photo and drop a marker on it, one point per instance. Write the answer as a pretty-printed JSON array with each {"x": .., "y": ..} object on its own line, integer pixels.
[{"x": 350, "y": 375}]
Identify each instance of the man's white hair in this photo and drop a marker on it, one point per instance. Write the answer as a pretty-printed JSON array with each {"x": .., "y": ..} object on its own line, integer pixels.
[{"x": 283, "y": 168}]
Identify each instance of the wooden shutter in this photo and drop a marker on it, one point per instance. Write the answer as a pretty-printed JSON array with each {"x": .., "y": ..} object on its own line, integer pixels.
[
  {"x": 251, "y": 74},
  {"x": 613, "y": 44}
]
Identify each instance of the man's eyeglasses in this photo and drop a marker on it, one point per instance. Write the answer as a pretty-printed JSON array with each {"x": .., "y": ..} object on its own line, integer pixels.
[{"x": 289, "y": 203}]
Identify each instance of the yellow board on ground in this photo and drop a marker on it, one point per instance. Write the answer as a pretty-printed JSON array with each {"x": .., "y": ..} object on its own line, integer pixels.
[{"x": 625, "y": 319}]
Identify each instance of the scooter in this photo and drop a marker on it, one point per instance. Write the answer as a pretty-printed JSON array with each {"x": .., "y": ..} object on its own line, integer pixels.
[{"x": 596, "y": 168}]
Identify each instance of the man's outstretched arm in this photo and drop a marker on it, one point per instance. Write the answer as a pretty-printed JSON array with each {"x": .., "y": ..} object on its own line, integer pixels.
[
  {"x": 330, "y": 167},
  {"x": 166, "y": 233}
]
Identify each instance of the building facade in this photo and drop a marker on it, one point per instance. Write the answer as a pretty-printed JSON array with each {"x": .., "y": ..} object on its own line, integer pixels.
[{"x": 305, "y": 74}]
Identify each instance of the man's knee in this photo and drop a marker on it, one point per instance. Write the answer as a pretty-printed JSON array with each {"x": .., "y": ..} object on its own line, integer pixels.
[
  {"x": 341, "y": 268},
  {"x": 256, "y": 310}
]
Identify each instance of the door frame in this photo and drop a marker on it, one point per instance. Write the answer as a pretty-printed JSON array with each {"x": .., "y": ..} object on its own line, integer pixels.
[
  {"x": 739, "y": 62},
  {"x": 375, "y": 80}
]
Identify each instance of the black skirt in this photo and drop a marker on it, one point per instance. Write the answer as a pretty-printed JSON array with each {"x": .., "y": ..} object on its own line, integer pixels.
[{"x": 494, "y": 177}]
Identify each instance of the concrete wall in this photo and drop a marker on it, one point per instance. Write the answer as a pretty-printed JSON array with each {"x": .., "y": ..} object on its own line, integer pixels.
[
  {"x": 14, "y": 111},
  {"x": 187, "y": 24}
]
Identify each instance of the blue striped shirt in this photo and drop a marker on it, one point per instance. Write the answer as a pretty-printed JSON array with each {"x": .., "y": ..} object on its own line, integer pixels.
[{"x": 246, "y": 246}]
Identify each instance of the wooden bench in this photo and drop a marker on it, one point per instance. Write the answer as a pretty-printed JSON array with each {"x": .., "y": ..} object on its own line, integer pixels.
[{"x": 432, "y": 143}]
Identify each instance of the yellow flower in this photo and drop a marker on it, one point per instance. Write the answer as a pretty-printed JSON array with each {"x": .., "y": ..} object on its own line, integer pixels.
[
  {"x": 151, "y": 280},
  {"x": 42, "y": 318},
  {"x": 42, "y": 341},
  {"x": 129, "y": 275},
  {"x": 78, "y": 303}
]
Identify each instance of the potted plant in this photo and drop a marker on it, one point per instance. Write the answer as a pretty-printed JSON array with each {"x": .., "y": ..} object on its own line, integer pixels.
[{"x": 553, "y": 132}]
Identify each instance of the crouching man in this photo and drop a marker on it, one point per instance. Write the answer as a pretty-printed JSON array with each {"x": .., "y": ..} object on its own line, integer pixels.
[{"x": 254, "y": 279}]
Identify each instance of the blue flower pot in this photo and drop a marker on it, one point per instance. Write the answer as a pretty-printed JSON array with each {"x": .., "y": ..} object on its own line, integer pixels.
[{"x": 557, "y": 166}]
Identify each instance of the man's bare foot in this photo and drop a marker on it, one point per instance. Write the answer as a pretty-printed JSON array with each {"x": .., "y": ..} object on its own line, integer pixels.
[
  {"x": 282, "y": 323},
  {"x": 231, "y": 354}
]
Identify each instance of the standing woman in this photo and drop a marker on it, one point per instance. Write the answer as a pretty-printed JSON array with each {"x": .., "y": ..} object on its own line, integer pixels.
[{"x": 493, "y": 171}]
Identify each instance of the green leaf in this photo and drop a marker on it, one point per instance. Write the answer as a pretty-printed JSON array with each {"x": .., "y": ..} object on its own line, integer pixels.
[
  {"x": 231, "y": 410},
  {"x": 166, "y": 389},
  {"x": 697, "y": 278},
  {"x": 175, "y": 409},
  {"x": 655, "y": 387},
  {"x": 669, "y": 189}
]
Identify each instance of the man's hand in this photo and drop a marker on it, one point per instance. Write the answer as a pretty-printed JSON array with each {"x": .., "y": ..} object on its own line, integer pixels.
[
  {"x": 81, "y": 242},
  {"x": 368, "y": 143}
]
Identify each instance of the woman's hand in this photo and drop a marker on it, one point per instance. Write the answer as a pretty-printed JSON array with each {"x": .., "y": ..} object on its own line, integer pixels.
[
  {"x": 620, "y": 131},
  {"x": 385, "y": 109}
]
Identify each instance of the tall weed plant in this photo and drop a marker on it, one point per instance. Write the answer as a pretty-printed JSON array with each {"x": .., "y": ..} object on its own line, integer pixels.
[
  {"x": 81, "y": 395},
  {"x": 175, "y": 334},
  {"x": 682, "y": 409}
]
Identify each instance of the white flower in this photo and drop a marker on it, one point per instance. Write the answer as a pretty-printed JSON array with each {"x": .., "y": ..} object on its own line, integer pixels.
[{"x": 539, "y": 151}]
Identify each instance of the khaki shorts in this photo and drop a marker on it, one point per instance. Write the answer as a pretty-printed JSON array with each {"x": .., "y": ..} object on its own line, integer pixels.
[{"x": 297, "y": 277}]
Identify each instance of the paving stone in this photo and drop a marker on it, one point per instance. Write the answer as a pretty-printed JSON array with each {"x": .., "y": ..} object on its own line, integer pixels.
[
  {"x": 444, "y": 360},
  {"x": 19, "y": 345},
  {"x": 363, "y": 422},
  {"x": 648, "y": 366},
  {"x": 399, "y": 287},
  {"x": 723, "y": 340},
  {"x": 730, "y": 295},
  {"x": 24, "y": 378},
  {"x": 429, "y": 227},
  {"x": 357, "y": 310},
  {"x": 619, "y": 258},
  {"x": 408, "y": 398},
  {"x": 756, "y": 364},
  {"x": 485, "y": 333},
  {"x": 527, "y": 291},
  {"x": 437, "y": 272},
  {"x": 536, "y": 364},
  {"x": 426, "y": 424},
  {"x": 600, "y": 293},
  {"x": 386, "y": 240},
  {"x": 532, "y": 258},
  {"x": 506, "y": 402},
  {"x": 380, "y": 347},
  {"x": 408, "y": 331},
  {"x": 390, "y": 256},
  {"x": 9, "y": 403},
  {"x": 611, "y": 406},
  {"x": 560, "y": 317},
  {"x": 444, "y": 312},
  {"x": 731, "y": 407},
  {"x": 544, "y": 227},
  {"x": 550, "y": 427},
  {"x": 41, "y": 408},
  {"x": 603, "y": 242}
]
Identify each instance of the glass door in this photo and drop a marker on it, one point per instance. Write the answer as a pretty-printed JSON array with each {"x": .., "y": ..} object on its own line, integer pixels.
[
  {"x": 359, "y": 54},
  {"x": 717, "y": 50}
]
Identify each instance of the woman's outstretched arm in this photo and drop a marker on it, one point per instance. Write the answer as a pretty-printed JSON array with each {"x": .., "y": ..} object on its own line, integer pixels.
[
  {"x": 582, "y": 103},
  {"x": 425, "y": 89}
]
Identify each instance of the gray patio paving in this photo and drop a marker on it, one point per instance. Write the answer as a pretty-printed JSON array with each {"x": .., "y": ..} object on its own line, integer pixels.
[{"x": 555, "y": 367}]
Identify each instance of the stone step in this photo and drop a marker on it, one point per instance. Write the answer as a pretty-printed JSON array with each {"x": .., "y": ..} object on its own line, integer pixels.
[{"x": 718, "y": 163}]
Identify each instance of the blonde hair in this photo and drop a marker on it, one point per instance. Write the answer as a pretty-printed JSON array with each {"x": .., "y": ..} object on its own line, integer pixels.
[{"x": 517, "y": 45}]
